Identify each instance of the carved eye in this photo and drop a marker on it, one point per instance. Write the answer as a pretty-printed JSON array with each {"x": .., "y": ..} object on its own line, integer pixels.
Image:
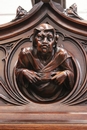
[
  {"x": 39, "y": 37},
  {"x": 50, "y": 38}
]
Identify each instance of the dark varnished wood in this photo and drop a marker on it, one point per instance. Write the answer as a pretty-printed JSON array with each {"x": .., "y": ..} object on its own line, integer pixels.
[
  {"x": 16, "y": 110},
  {"x": 43, "y": 127},
  {"x": 45, "y": 72}
]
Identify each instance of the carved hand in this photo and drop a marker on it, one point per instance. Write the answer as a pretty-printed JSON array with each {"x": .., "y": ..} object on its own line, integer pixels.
[
  {"x": 59, "y": 77},
  {"x": 31, "y": 76}
]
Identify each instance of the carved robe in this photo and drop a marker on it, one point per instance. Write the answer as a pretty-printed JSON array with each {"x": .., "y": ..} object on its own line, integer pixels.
[{"x": 44, "y": 90}]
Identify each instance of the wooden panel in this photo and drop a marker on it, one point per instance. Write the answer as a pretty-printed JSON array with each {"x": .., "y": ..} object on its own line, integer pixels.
[
  {"x": 20, "y": 109},
  {"x": 43, "y": 127}
]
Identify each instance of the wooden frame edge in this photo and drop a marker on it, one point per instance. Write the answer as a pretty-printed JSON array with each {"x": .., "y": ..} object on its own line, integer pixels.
[{"x": 43, "y": 126}]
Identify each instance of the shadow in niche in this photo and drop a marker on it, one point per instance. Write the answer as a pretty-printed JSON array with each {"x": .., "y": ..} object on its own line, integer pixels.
[
  {"x": 25, "y": 90},
  {"x": 45, "y": 72}
]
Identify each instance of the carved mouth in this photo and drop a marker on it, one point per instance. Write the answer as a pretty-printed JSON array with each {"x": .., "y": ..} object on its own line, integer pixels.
[{"x": 44, "y": 47}]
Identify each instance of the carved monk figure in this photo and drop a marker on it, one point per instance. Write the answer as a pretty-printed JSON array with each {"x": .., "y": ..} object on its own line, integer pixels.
[{"x": 45, "y": 72}]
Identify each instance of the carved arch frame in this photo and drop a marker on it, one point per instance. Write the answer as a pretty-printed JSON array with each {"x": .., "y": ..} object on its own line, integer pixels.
[{"x": 18, "y": 34}]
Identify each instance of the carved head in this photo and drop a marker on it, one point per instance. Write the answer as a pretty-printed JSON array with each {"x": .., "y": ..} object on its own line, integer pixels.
[{"x": 45, "y": 38}]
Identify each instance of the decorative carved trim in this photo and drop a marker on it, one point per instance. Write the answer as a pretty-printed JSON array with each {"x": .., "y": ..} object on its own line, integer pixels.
[
  {"x": 77, "y": 94},
  {"x": 72, "y": 12},
  {"x": 14, "y": 105}
]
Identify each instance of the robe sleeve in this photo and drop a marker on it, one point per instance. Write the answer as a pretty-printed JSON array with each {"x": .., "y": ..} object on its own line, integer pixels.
[
  {"x": 69, "y": 67},
  {"x": 22, "y": 64}
]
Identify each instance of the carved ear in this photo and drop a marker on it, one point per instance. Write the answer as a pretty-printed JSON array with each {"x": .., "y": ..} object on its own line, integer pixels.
[{"x": 56, "y": 37}]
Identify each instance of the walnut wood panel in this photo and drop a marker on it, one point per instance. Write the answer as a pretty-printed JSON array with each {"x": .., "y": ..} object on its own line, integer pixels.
[
  {"x": 15, "y": 107},
  {"x": 43, "y": 127}
]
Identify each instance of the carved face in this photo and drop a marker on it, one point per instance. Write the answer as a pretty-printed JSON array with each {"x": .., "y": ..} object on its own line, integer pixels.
[{"x": 45, "y": 41}]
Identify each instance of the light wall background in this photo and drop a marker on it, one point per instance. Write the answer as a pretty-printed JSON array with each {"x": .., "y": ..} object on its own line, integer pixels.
[
  {"x": 81, "y": 7},
  {"x": 8, "y": 8}
]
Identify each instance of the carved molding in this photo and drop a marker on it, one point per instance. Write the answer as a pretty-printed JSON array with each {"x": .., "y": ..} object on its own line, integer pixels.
[
  {"x": 19, "y": 34},
  {"x": 10, "y": 50},
  {"x": 76, "y": 96}
]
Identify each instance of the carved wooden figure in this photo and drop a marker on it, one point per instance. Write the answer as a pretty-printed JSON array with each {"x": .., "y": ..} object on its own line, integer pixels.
[{"x": 43, "y": 69}]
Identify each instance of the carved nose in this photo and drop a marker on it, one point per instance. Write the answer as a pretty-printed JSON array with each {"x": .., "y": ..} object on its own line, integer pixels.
[{"x": 45, "y": 40}]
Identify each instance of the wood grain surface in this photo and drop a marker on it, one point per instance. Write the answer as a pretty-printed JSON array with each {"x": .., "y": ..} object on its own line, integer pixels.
[{"x": 43, "y": 127}]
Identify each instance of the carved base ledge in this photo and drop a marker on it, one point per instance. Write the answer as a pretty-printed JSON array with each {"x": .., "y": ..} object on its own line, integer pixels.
[{"x": 43, "y": 127}]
